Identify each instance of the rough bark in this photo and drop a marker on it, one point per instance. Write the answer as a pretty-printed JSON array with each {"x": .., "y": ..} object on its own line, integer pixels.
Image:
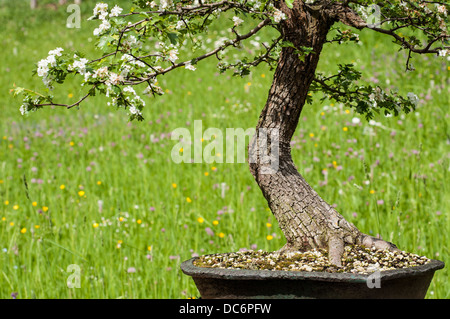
[{"x": 306, "y": 220}]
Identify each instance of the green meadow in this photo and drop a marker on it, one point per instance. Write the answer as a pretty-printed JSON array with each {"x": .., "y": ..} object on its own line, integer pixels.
[{"x": 89, "y": 189}]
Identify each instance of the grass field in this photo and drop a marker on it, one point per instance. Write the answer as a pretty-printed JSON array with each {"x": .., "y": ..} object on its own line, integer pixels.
[{"x": 87, "y": 188}]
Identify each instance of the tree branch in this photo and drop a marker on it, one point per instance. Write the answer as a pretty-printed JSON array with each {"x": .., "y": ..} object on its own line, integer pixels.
[{"x": 227, "y": 44}]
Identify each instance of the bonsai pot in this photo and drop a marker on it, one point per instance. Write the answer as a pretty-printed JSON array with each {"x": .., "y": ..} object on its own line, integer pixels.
[{"x": 404, "y": 283}]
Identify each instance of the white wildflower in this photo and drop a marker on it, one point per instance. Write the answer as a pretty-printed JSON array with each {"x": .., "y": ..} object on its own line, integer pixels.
[
  {"x": 443, "y": 52},
  {"x": 356, "y": 120},
  {"x": 374, "y": 123}
]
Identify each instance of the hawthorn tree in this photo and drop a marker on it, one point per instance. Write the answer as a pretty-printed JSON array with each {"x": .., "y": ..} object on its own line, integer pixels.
[{"x": 138, "y": 47}]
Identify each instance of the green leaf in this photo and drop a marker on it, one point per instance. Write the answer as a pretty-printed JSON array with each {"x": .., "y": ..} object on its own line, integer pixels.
[
  {"x": 173, "y": 37},
  {"x": 290, "y": 3}
]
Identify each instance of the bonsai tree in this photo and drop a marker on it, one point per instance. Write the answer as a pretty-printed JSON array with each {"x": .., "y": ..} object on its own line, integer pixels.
[{"x": 138, "y": 47}]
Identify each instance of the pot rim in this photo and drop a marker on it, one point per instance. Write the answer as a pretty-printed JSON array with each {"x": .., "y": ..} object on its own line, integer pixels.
[{"x": 190, "y": 269}]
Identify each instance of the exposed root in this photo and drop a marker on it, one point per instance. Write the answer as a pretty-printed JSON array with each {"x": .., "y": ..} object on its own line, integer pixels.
[{"x": 369, "y": 242}]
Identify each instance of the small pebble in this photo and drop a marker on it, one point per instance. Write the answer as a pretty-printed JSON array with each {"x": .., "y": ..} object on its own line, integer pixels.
[{"x": 355, "y": 259}]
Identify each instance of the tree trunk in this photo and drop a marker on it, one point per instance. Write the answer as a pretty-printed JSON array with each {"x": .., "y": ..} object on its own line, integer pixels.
[{"x": 306, "y": 220}]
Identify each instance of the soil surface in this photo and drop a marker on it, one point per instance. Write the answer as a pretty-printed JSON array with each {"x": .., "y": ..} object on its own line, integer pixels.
[{"x": 354, "y": 260}]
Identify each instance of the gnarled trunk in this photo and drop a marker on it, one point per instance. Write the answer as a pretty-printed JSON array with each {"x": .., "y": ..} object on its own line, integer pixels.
[{"x": 306, "y": 220}]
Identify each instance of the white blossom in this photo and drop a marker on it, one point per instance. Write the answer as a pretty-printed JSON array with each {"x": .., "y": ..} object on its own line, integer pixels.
[
  {"x": 104, "y": 26},
  {"x": 443, "y": 52},
  {"x": 278, "y": 16},
  {"x": 134, "y": 110},
  {"x": 189, "y": 66},
  {"x": 43, "y": 68},
  {"x": 164, "y": 4},
  {"x": 101, "y": 9},
  {"x": 129, "y": 89},
  {"x": 24, "y": 109},
  {"x": 51, "y": 60},
  {"x": 87, "y": 75},
  {"x": 173, "y": 55},
  {"x": 442, "y": 9},
  {"x": 131, "y": 60},
  {"x": 180, "y": 25},
  {"x": 56, "y": 52},
  {"x": 79, "y": 65},
  {"x": 413, "y": 98},
  {"x": 115, "y": 11},
  {"x": 101, "y": 73},
  {"x": 130, "y": 42},
  {"x": 115, "y": 79},
  {"x": 237, "y": 21}
]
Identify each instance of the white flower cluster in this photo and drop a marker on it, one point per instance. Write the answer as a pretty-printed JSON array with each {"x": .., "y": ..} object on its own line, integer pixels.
[
  {"x": 180, "y": 25},
  {"x": 442, "y": 9},
  {"x": 78, "y": 65},
  {"x": 101, "y": 12},
  {"x": 130, "y": 42},
  {"x": 153, "y": 88},
  {"x": 135, "y": 101},
  {"x": 44, "y": 66},
  {"x": 128, "y": 100},
  {"x": 189, "y": 66},
  {"x": 413, "y": 98},
  {"x": 168, "y": 52},
  {"x": 165, "y": 4},
  {"x": 108, "y": 77},
  {"x": 278, "y": 16},
  {"x": 443, "y": 52},
  {"x": 151, "y": 4},
  {"x": 24, "y": 108}
]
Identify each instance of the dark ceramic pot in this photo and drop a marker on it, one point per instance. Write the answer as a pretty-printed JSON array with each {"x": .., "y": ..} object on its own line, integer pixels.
[{"x": 214, "y": 283}]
